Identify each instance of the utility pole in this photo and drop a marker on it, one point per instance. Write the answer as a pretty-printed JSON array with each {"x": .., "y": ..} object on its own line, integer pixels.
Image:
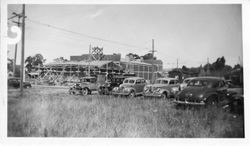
[
  {"x": 18, "y": 24},
  {"x": 22, "y": 55},
  {"x": 177, "y": 62},
  {"x": 153, "y": 50},
  {"x": 239, "y": 60},
  {"x": 89, "y": 60},
  {"x": 14, "y": 62}
]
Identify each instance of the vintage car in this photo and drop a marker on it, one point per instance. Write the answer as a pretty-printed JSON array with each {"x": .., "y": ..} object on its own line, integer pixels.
[
  {"x": 15, "y": 83},
  {"x": 107, "y": 87},
  {"x": 76, "y": 89},
  {"x": 130, "y": 87},
  {"x": 203, "y": 91},
  {"x": 234, "y": 102},
  {"x": 162, "y": 87},
  {"x": 85, "y": 87},
  {"x": 184, "y": 83}
]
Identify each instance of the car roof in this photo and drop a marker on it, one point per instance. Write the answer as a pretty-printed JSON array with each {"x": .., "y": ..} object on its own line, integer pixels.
[
  {"x": 16, "y": 78},
  {"x": 208, "y": 78},
  {"x": 166, "y": 79},
  {"x": 134, "y": 78},
  {"x": 88, "y": 77},
  {"x": 190, "y": 78}
]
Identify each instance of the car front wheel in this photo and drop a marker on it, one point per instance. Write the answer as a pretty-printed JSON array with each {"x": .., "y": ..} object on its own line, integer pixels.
[
  {"x": 132, "y": 94},
  {"x": 164, "y": 95},
  {"x": 85, "y": 91},
  {"x": 212, "y": 101}
]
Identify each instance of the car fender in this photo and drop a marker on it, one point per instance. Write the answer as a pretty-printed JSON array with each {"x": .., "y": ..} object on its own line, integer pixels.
[
  {"x": 164, "y": 90},
  {"x": 85, "y": 87},
  {"x": 130, "y": 89},
  {"x": 208, "y": 95}
]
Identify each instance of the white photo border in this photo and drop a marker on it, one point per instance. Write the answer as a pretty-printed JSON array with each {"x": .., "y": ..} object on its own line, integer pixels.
[{"x": 5, "y": 140}]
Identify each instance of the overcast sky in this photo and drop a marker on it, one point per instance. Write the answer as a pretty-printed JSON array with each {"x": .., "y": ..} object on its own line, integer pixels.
[{"x": 191, "y": 33}]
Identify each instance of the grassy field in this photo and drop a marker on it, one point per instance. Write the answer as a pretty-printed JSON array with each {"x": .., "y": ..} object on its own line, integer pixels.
[{"x": 52, "y": 112}]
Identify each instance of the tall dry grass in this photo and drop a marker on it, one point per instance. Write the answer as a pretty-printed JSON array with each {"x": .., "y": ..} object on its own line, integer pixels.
[{"x": 54, "y": 113}]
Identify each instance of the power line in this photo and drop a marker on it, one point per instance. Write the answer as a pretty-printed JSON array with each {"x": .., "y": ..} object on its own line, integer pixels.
[{"x": 84, "y": 35}]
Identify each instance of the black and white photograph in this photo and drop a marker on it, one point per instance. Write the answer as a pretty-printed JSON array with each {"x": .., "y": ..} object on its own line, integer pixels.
[{"x": 125, "y": 70}]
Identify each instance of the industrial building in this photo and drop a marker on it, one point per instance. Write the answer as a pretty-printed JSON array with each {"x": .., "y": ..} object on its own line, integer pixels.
[{"x": 101, "y": 64}]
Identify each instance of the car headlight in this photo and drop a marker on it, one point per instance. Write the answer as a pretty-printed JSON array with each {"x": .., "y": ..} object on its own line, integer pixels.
[
  {"x": 126, "y": 90},
  {"x": 115, "y": 89},
  {"x": 201, "y": 96},
  {"x": 146, "y": 88},
  {"x": 175, "y": 90},
  {"x": 157, "y": 89},
  {"x": 188, "y": 94}
]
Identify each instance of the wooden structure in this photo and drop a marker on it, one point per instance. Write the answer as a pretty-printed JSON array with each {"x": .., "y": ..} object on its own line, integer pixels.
[
  {"x": 145, "y": 70},
  {"x": 79, "y": 68}
]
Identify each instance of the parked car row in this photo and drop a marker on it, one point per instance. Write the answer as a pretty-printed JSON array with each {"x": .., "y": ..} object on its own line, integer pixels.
[
  {"x": 14, "y": 82},
  {"x": 193, "y": 91}
]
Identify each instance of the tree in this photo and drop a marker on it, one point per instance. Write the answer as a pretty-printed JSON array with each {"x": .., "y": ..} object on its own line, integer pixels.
[
  {"x": 184, "y": 68},
  {"x": 133, "y": 56},
  {"x": 60, "y": 59},
  {"x": 28, "y": 62},
  {"x": 36, "y": 60},
  {"x": 219, "y": 64},
  {"x": 148, "y": 56},
  {"x": 237, "y": 66}
]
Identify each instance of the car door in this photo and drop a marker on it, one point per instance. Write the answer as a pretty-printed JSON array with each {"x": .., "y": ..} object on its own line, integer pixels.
[
  {"x": 137, "y": 86},
  {"x": 143, "y": 84},
  {"x": 174, "y": 85},
  {"x": 93, "y": 84},
  {"x": 221, "y": 90}
]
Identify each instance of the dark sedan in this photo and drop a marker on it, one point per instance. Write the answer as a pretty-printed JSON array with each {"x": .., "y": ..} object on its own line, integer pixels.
[
  {"x": 202, "y": 91},
  {"x": 15, "y": 83}
]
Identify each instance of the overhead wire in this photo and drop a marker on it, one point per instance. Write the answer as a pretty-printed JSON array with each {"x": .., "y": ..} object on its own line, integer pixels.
[{"x": 85, "y": 35}]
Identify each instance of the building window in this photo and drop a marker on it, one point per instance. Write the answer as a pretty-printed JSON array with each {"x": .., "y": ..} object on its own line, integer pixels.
[{"x": 136, "y": 68}]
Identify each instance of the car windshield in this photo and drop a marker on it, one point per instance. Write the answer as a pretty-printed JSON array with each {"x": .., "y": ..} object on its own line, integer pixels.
[
  {"x": 161, "y": 82},
  {"x": 202, "y": 83},
  {"x": 157, "y": 81},
  {"x": 91, "y": 80},
  {"x": 129, "y": 81},
  {"x": 186, "y": 81}
]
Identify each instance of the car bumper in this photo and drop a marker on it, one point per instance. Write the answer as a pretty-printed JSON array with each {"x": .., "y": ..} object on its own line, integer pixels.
[
  {"x": 188, "y": 103},
  {"x": 120, "y": 93},
  {"x": 152, "y": 94}
]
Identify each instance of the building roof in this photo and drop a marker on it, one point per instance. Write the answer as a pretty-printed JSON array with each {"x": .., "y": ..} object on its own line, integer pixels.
[
  {"x": 159, "y": 62},
  {"x": 134, "y": 62},
  {"x": 84, "y": 57},
  {"x": 84, "y": 63},
  {"x": 95, "y": 63}
]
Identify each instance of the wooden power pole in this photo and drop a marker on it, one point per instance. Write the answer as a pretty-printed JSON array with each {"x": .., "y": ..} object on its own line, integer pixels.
[
  {"x": 19, "y": 16},
  {"x": 14, "y": 62},
  {"x": 177, "y": 63},
  {"x": 89, "y": 60},
  {"x": 153, "y": 50},
  {"x": 22, "y": 54}
]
